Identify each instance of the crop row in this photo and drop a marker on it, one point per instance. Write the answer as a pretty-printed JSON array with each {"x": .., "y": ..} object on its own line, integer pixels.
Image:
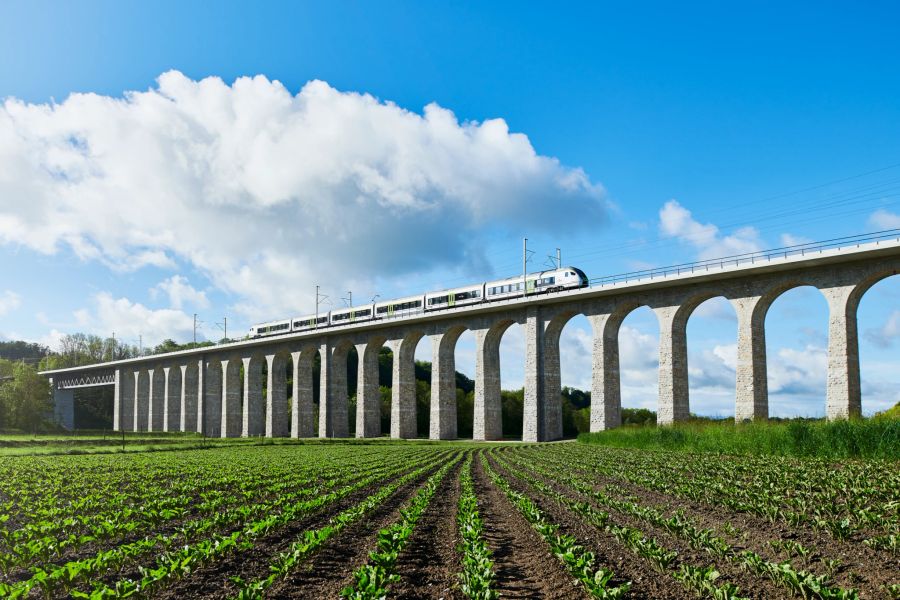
[
  {"x": 477, "y": 574},
  {"x": 374, "y": 577},
  {"x": 855, "y": 499},
  {"x": 196, "y": 541},
  {"x": 800, "y": 582},
  {"x": 634, "y": 539},
  {"x": 581, "y": 563}
]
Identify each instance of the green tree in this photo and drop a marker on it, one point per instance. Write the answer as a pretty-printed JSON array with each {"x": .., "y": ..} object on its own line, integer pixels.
[{"x": 24, "y": 399}]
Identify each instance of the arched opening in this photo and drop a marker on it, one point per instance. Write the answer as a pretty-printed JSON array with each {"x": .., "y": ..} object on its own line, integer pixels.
[
  {"x": 277, "y": 375},
  {"x": 638, "y": 341},
  {"x": 796, "y": 329},
  {"x": 511, "y": 368},
  {"x": 712, "y": 358},
  {"x": 878, "y": 325},
  {"x": 575, "y": 350},
  {"x": 464, "y": 373},
  {"x": 422, "y": 371}
]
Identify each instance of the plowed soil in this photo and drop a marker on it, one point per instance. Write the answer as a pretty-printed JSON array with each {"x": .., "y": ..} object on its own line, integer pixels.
[
  {"x": 331, "y": 569},
  {"x": 429, "y": 563},
  {"x": 523, "y": 564}
]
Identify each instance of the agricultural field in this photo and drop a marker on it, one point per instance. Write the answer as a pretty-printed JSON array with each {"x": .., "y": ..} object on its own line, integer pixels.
[{"x": 449, "y": 520}]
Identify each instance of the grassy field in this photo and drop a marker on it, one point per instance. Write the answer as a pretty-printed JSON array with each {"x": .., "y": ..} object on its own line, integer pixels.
[
  {"x": 863, "y": 438},
  {"x": 374, "y": 519}
]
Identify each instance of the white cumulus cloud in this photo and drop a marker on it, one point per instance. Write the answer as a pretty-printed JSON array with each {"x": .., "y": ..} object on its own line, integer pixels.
[
  {"x": 676, "y": 221},
  {"x": 267, "y": 193},
  {"x": 131, "y": 321},
  {"x": 9, "y": 301},
  {"x": 181, "y": 292},
  {"x": 883, "y": 219}
]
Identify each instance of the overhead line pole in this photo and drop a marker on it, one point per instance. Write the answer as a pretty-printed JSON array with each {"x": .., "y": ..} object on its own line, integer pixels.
[
  {"x": 524, "y": 260},
  {"x": 558, "y": 259}
]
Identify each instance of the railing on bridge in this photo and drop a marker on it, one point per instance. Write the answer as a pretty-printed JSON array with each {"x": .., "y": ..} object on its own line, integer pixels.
[
  {"x": 86, "y": 380},
  {"x": 853, "y": 241}
]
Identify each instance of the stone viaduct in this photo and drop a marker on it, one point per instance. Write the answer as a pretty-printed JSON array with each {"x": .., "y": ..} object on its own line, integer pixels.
[{"x": 220, "y": 390}]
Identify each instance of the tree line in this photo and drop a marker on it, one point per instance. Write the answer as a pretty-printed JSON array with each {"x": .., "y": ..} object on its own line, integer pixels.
[{"x": 25, "y": 402}]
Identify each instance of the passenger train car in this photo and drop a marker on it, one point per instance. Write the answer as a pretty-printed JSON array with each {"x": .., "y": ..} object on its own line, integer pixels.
[{"x": 563, "y": 278}]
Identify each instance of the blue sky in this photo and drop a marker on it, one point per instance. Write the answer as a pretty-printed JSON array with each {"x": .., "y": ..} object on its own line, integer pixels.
[{"x": 629, "y": 136}]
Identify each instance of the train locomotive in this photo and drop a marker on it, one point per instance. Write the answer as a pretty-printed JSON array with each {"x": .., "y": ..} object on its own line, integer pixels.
[{"x": 556, "y": 280}]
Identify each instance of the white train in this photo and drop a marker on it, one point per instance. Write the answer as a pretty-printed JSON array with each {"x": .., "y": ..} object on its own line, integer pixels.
[{"x": 556, "y": 280}]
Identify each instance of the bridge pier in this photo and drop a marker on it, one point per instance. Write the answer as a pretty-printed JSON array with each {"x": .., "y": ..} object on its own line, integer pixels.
[
  {"x": 606, "y": 401},
  {"x": 674, "y": 404},
  {"x": 403, "y": 388},
  {"x": 188, "y": 398},
  {"x": 253, "y": 418},
  {"x": 117, "y": 402},
  {"x": 232, "y": 414},
  {"x": 368, "y": 392},
  {"x": 442, "y": 421},
  {"x": 141, "y": 401},
  {"x": 333, "y": 390},
  {"x": 63, "y": 407},
  {"x": 302, "y": 410},
  {"x": 212, "y": 399},
  {"x": 277, "y": 424},
  {"x": 487, "y": 423},
  {"x": 843, "y": 396},
  {"x": 172, "y": 395},
  {"x": 751, "y": 396}
]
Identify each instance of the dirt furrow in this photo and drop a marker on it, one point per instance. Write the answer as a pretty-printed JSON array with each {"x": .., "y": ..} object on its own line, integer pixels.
[
  {"x": 429, "y": 563},
  {"x": 522, "y": 561},
  {"x": 215, "y": 580},
  {"x": 750, "y": 585},
  {"x": 646, "y": 583},
  {"x": 331, "y": 569},
  {"x": 857, "y": 565}
]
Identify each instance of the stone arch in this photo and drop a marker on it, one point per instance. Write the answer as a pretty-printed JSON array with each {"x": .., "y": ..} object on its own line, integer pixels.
[
  {"x": 277, "y": 421},
  {"x": 757, "y": 317},
  {"x": 704, "y": 379},
  {"x": 443, "y": 418},
  {"x": 488, "y": 421},
  {"x": 672, "y": 313},
  {"x": 172, "y": 408},
  {"x": 368, "y": 394},
  {"x": 403, "y": 388},
  {"x": 303, "y": 424},
  {"x": 155, "y": 421}
]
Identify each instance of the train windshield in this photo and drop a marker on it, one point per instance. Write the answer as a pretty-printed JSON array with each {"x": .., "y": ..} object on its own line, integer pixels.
[{"x": 581, "y": 276}]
